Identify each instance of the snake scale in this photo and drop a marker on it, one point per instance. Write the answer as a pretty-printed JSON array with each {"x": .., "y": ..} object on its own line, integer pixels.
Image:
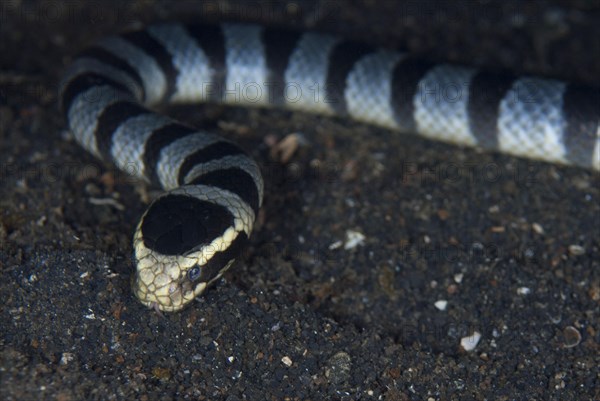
[{"x": 193, "y": 231}]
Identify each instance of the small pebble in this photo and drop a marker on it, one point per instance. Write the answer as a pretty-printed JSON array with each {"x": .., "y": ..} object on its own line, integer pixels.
[
  {"x": 576, "y": 250},
  {"x": 286, "y": 361},
  {"x": 572, "y": 337},
  {"x": 107, "y": 202},
  {"x": 335, "y": 245},
  {"x": 498, "y": 229},
  {"x": 287, "y": 147},
  {"x": 537, "y": 228},
  {"x": 470, "y": 342},
  {"x": 161, "y": 373},
  {"x": 441, "y": 304},
  {"x": 66, "y": 358},
  {"x": 452, "y": 289},
  {"x": 353, "y": 239},
  {"x": 338, "y": 368}
]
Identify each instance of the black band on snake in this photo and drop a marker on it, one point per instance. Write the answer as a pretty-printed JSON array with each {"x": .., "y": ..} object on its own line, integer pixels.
[{"x": 193, "y": 232}]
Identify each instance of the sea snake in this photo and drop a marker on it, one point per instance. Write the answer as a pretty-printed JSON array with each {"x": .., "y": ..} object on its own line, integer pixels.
[{"x": 192, "y": 232}]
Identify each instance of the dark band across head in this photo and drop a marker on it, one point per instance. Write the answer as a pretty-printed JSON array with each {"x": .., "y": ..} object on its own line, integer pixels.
[{"x": 178, "y": 224}]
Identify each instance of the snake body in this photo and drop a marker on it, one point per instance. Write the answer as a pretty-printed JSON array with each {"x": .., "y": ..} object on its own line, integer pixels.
[{"x": 193, "y": 232}]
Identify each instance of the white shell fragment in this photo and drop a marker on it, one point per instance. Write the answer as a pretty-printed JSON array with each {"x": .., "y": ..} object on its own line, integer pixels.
[
  {"x": 470, "y": 342},
  {"x": 441, "y": 304},
  {"x": 353, "y": 239}
]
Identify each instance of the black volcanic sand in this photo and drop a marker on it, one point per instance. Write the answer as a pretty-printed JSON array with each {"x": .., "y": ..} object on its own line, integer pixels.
[{"x": 511, "y": 245}]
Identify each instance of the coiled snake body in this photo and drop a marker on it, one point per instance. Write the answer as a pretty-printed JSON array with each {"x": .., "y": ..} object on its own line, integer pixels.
[{"x": 193, "y": 232}]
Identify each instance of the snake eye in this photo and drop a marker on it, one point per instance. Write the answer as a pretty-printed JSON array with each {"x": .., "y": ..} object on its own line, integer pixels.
[{"x": 194, "y": 273}]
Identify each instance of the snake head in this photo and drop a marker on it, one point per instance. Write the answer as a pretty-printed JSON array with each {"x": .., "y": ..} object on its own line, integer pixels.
[
  {"x": 170, "y": 282},
  {"x": 166, "y": 283},
  {"x": 182, "y": 244}
]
